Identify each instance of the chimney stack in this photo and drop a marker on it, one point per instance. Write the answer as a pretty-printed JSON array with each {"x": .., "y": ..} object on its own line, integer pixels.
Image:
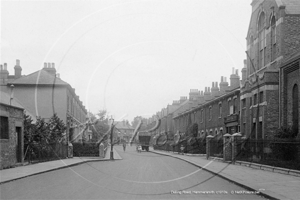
[
  {"x": 50, "y": 68},
  {"x": 223, "y": 85},
  {"x": 234, "y": 79},
  {"x": 18, "y": 69},
  {"x": 193, "y": 95},
  {"x": 244, "y": 72},
  {"x": 182, "y": 99},
  {"x": 3, "y": 74},
  {"x": 215, "y": 89},
  {"x": 207, "y": 94}
]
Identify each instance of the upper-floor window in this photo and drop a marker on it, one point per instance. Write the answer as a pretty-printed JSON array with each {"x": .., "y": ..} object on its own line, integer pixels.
[
  {"x": 230, "y": 106},
  {"x": 234, "y": 105},
  {"x": 255, "y": 99},
  {"x": 201, "y": 117},
  {"x": 261, "y": 40},
  {"x": 220, "y": 110},
  {"x": 261, "y": 97},
  {"x": 273, "y": 38},
  {"x": 210, "y": 112},
  {"x": 243, "y": 103},
  {"x": 4, "y": 134}
]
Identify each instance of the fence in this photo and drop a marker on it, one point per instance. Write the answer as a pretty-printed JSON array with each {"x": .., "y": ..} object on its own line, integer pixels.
[
  {"x": 190, "y": 145},
  {"x": 87, "y": 149},
  {"x": 279, "y": 153},
  {"x": 38, "y": 152},
  {"x": 216, "y": 147}
]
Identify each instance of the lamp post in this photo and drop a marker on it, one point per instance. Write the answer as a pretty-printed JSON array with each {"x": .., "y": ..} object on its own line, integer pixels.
[{"x": 111, "y": 140}]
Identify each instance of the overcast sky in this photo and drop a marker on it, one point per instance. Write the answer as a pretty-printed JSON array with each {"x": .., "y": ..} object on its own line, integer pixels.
[{"x": 129, "y": 57}]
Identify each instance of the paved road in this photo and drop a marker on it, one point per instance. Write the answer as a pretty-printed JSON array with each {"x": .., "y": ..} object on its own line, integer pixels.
[{"x": 138, "y": 176}]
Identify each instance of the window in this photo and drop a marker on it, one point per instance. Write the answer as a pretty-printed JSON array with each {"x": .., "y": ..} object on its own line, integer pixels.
[
  {"x": 234, "y": 106},
  {"x": 261, "y": 40},
  {"x": 250, "y": 99},
  {"x": 220, "y": 110},
  {"x": 243, "y": 103},
  {"x": 261, "y": 97},
  {"x": 295, "y": 111},
  {"x": 4, "y": 134},
  {"x": 230, "y": 106},
  {"x": 273, "y": 38},
  {"x": 210, "y": 113},
  {"x": 255, "y": 99}
]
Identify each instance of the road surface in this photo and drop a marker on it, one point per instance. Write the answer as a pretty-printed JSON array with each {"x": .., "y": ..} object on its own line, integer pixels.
[{"x": 143, "y": 175}]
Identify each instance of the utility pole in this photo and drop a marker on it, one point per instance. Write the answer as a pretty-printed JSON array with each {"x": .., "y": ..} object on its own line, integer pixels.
[{"x": 111, "y": 140}]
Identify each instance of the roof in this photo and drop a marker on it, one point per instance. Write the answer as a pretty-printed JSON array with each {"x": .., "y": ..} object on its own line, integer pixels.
[
  {"x": 292, "y": 7},
  {"x": 41, "y": 77},
  {"x": 5, "y": 99}
]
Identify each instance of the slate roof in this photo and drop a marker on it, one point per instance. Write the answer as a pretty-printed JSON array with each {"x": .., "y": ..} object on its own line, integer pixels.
[
  {"x": 5, "y": 99},
  {"x": 291, "y": 6},
  {"x": 42, "y": 77}
]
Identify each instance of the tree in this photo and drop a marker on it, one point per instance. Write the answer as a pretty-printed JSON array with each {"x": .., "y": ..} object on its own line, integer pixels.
[
  {"x": 101, "y": 126},
  {"x": 136, "y": 120},
  {"x": 56, "y": 128}
]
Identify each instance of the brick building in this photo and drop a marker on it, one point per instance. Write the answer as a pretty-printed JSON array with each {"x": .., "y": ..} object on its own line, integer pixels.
[
  {"x": 214, "y": 111},
  {"x": 272, "y": 38},
  {"x": 44, "y": 93},
  {"x": 123, "y": 130},
  {"x": 289, "y": 94},
  {"x": 11, "y": 131}
]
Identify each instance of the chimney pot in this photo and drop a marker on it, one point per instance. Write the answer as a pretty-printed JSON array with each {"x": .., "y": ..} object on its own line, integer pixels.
[
  {"x": 233, "y": 70},
  {"x": 1, "y": 67},
  {"x": 45, "y": 65},
  {"x": 49, "y": 65},
  {"x": 236, "y": 72},
  {"x": 53, "y": 65},
  {"x": 213, "y": 84},
  {"x": 17, "y": 62},
  {"x": 5, "y": 66}
]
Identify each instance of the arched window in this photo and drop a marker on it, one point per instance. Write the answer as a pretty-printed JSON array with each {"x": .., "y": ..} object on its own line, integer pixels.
[
  {"x": 261, "y": 40},
  {"x": 273, "y": 38},
  {"x": 295, "y": 111},
  {"x": 251, "y": 55}
]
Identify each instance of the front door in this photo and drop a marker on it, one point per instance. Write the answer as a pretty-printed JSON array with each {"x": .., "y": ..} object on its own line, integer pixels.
[{"x": 19, "y": 144}]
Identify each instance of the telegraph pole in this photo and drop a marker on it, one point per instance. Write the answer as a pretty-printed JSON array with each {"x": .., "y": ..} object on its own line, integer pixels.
[{"x": 111, "y": 140}]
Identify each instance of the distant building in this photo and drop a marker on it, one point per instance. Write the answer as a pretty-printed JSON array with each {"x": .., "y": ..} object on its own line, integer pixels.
[
  {"x": 11, "y": 131},
  {"x": 123, "y": 130},
  {"x": 44, "y": 93}
]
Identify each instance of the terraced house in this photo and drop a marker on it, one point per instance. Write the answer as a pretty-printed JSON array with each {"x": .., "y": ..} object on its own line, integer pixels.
[
  {"x": 266, "y": 97},
  {"x": 43, "y": 93}
]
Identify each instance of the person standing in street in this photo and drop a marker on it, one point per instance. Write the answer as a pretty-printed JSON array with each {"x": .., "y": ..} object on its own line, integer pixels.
[{"x": 124, "y": 146}]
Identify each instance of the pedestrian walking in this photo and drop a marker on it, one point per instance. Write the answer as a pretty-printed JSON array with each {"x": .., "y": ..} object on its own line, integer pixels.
[
  {"x": 124, "y": 146},
  {"x": 182, "y": 148}
]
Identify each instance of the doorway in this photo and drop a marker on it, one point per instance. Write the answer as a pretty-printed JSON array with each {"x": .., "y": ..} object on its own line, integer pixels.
[{"x": 19, "y": 144}]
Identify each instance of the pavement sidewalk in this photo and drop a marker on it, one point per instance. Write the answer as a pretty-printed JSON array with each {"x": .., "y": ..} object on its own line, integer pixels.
[
  {"x": 269, "y": 184},
  {"x": 7, "y": 175}
]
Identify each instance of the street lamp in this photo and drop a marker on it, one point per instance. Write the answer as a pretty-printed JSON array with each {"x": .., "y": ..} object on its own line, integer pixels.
[{"x": 111, "y": 140}]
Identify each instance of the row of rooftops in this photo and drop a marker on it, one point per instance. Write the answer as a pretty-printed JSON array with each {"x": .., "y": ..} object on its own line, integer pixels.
[
  {"x": 198, "y": 98},
  {"x": 46, "y": 76}
]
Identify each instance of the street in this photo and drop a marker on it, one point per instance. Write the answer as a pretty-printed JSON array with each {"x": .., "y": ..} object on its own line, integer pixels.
[{"x": 142, "y": 175}]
